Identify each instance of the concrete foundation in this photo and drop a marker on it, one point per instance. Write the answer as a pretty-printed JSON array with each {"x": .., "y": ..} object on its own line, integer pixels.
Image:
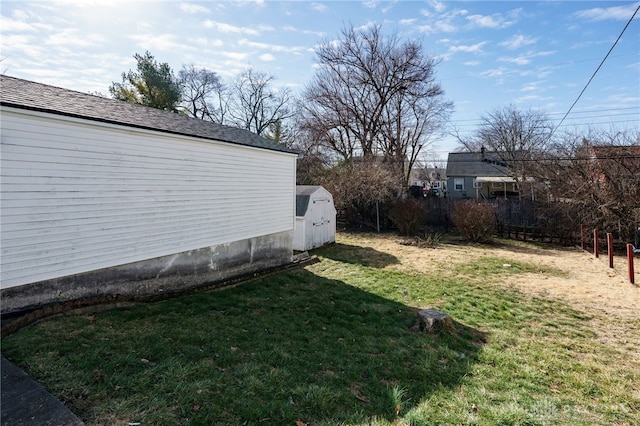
[{"x": 172, "y": 273}]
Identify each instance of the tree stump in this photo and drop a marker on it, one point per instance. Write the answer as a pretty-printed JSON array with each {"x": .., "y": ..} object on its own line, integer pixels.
[{"x": 432, "y": 321}]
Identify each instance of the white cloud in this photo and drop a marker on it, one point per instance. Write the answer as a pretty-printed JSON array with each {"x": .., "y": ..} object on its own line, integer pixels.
[
  {"x": 410, "y": 21},
  {"x": 518, "y": 41},
  {"x": 474, "y": 48},
  {"x": 291, "y": 28},
  {"x": 9, "y": 25},
  {"x": 438, "y": 6},
  {"x": 484, "y": 21},
  {"x": 193, "y": 8},
  {"x": 530, "y": 98},
  {"x": 526, "y": 58},
  {"x": 267, "y": 57},
  {"x": 227, "y": 28},
  {"x": 495, "y": 72},
  {"x": 71, "y": 37},
  {"x": 273, "y": 47},
  {"x": 319, "y": 7},
  {"x": 165, "y": 42},
  {"x": 205, "y": 42},
  {"x": 618, "y": 13},
  {"x": 238, "y": 56},
  {"x": 440, "y": 26},
  {"x": 618, "y": 99},
  {"x": 443, "y": 23},
  {"x": 496, "y": 21},
  {"x": 531, "y": 87}
]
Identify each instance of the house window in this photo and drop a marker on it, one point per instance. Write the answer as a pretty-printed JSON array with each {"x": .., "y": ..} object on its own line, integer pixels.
[
  {"x": 458, "y": 184},
  {"x": 497, "y": 184},
  {"x": 435, "y": 185},
  {"x": 477, "y": 184}
]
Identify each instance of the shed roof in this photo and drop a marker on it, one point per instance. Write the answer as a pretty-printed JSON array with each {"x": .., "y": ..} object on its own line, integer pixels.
[
  {"x": 303, "y": 195},
  {"x": 34, "y": 96},
  {"x": 476, "y": 164}
]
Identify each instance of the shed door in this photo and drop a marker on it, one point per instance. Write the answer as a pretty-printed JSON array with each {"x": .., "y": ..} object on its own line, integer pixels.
[{"x": 321, "y": 222}]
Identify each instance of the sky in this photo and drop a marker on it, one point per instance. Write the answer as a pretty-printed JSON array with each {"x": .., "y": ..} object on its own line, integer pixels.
[{"x": 534, "y": 55}]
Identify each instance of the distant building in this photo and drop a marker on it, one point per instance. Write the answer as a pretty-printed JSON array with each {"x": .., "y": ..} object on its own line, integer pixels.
[
  {"x": 480, "y": 175},
  {"x": 430, "y": 181}
]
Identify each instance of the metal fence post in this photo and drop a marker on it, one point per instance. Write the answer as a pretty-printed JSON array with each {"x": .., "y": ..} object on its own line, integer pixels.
[
  {"x": 610, "y": 248},
  {"x": 596, "y": 247}
]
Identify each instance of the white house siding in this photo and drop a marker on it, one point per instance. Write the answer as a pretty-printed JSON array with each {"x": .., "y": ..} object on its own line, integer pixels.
[{"x": 79, "y": 195}]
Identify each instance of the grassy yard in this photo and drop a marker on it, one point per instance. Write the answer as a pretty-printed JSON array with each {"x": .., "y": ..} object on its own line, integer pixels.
[{"x": 330, "y": 344}]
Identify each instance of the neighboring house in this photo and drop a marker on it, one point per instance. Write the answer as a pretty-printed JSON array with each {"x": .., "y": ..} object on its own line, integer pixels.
[
  {"x": 103, "y": 197},
  {"x": 315, "y": 218},
  {"x": 479, "y": 175},
  {"x": 430, "y": 179}
]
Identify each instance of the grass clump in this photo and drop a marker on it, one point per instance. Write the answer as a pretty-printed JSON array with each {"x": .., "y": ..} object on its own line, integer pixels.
[{"x": 331, "y": 344}]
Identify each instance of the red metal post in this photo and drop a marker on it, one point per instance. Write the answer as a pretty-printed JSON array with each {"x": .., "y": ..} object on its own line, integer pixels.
[
  {"x": 610, "y": 248},
  {"x": 632, "y": 274},
  {"x": 596, "y": 247}
]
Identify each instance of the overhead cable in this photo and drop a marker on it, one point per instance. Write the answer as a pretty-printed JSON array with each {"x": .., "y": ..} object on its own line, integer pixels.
[{"x": 596, "y": 71}]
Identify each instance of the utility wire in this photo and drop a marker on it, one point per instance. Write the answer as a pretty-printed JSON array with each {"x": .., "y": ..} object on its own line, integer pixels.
[{"x": 596, "y": 71}]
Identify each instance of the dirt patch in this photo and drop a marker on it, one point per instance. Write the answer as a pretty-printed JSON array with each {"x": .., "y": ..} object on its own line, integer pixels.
[{"x": 586, "y": 283}]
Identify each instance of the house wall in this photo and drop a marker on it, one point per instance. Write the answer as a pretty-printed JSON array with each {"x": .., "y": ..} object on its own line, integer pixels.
[
  {"x": 468, "y": 192},
  {"x": 80, "y": 196},
  {"x": 486, "y": 189}
]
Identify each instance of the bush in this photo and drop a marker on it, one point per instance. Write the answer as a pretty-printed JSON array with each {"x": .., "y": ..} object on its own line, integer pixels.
[
  {"x": 430, "y": 240},
  {"x": 475, "y": 221},
  {"x": 407, "y": 214}
]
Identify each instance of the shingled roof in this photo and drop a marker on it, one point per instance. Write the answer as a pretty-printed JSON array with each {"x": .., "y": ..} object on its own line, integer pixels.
[
  {"x": 24, "y": 94},
  {"x": 476, "y": 164}
]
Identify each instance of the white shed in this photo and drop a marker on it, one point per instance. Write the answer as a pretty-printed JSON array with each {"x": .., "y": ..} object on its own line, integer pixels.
[
  {"x": 103, "y": 197},
  {"x": 315, "y": 218}
]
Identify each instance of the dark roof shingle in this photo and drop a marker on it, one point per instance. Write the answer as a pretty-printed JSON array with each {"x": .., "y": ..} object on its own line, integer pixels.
[
  {"x": 34, "y": 96},
  {"x": 472, "y": 164}
]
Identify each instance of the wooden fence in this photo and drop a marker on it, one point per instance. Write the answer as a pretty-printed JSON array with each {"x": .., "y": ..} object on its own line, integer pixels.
[{"x": 536, "y": 233}]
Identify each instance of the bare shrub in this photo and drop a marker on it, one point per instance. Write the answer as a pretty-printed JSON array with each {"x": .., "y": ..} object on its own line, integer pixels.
[
  {"x": 429, "y": 240},
  {"x": 407, "y": 214},
  {"x": 475, "y": 221}
]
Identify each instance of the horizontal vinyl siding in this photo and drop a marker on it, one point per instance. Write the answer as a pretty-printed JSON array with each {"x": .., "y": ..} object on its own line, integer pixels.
[{"x": 79, "y": 196}]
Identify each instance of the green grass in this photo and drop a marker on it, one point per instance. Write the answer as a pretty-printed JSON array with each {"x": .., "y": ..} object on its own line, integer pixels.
[{"x": 330, "y": 344}]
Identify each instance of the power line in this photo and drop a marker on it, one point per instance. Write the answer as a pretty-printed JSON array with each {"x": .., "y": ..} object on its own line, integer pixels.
[
  {"x": 575, "y": 123},
  {"x": 596, "y": 71},
  {"x": 622, "y": 110}
]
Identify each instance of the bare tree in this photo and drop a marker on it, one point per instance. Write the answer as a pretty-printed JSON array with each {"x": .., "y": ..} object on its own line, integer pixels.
[
  {"x": 374, "y": 96},
  {"x": 515, "y": 138},
  {"x": 358, "y": 187},
  {"x": 255, "y": 105},
  {"x": 595, "y": 179},
  {"x": 203, "y": 93}
]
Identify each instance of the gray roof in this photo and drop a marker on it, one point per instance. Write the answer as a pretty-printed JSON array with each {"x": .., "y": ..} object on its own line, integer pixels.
[
  {"x": 33, "y": 96},
  {"x": 473, "y": 164},
  {"x": 303, "y": 195}
]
